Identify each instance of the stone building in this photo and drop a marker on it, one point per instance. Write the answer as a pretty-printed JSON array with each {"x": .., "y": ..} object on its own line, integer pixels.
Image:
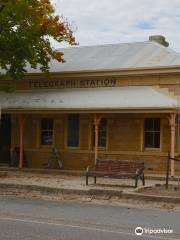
[{"x": 117, "y": 101}]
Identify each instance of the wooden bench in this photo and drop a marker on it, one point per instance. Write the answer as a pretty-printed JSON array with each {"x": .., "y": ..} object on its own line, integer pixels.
[{"x": 122, "y": 169}]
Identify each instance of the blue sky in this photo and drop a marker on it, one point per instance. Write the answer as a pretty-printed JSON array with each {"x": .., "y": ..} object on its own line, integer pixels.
[{"x": 115, "y": 21}]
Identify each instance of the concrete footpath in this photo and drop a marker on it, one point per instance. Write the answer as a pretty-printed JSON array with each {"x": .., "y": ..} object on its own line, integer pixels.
[{"x": 65, "y": 186}]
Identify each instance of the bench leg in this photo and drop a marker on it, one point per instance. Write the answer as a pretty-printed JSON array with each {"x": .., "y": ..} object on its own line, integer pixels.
[
  {"x": 143, "y": 179},
  {"x": 94, "y": 180},
  {"x": 136, "y": 182},
  {"x": 86, "y": 179}
]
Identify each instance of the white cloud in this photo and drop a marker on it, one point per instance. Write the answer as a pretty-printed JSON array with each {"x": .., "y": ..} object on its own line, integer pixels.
[{"x": 112, "y": 21}]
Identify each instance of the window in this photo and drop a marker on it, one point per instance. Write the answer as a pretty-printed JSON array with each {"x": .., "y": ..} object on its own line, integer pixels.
[
  {"x": 152, "y": 133},
  {"x": 73, "y": 130},
  {"x": 46, "y": 131},
  {"x": 102, "y": 133}
]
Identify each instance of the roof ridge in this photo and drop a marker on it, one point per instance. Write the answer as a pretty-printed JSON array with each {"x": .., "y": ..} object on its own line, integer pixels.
[
  {"x": 166, "y": 48},
  {"x": 102, "y": 45},
  {"x": 170, "y": 50}
]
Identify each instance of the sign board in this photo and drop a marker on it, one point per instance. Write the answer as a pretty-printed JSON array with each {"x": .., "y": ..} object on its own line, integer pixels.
[{"x": 58, "y": 84}]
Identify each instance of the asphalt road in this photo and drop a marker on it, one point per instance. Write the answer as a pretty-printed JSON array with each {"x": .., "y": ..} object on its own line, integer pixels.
[{"x": 27, "y": 219}]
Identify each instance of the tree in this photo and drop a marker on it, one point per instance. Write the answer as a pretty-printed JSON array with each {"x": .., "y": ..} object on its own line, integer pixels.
[{"x": 26, "y": 27}]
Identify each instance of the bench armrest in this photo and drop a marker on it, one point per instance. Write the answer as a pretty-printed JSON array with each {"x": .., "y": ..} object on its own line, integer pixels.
[{"x": 139, "y": 171}]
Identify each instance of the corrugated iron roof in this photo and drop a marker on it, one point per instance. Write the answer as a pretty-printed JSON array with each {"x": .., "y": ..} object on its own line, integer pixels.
[
  {"x": 115, "y": 56},
  {"x": 117, "y": 98}
]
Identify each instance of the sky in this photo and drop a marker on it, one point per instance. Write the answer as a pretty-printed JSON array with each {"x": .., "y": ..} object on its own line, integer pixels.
[{"x": 97, "y": 22}]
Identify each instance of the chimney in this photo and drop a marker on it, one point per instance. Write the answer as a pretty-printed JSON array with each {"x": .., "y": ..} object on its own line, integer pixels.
[{"x": 159, "y": 39}]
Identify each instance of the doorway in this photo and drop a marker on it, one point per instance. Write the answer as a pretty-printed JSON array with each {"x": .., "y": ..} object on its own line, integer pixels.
[{"x": 5, "y": 139}]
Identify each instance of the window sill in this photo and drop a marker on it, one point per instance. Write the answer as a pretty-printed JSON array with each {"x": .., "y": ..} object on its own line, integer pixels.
[
  {"x": 72, "y": 148},
  {"x": 46, "y": 146},
  {"x": 152, "y": 149},
  {"x": 100, "y": 148}
]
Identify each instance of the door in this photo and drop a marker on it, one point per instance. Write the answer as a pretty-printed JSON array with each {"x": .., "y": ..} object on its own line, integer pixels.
[{"x": 5, "y": 138}]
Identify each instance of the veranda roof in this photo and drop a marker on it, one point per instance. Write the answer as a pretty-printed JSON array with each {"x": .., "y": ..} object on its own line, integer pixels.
[{"x": 89, "y": 99}]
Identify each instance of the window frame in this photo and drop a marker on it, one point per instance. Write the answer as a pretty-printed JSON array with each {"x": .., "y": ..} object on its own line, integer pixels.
[
  {"x": 67, "y": 128},
  {"x": 160, "y": 135},
  {"x": 53, "y": 133},
  {"x": 93, "y": 135}
]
